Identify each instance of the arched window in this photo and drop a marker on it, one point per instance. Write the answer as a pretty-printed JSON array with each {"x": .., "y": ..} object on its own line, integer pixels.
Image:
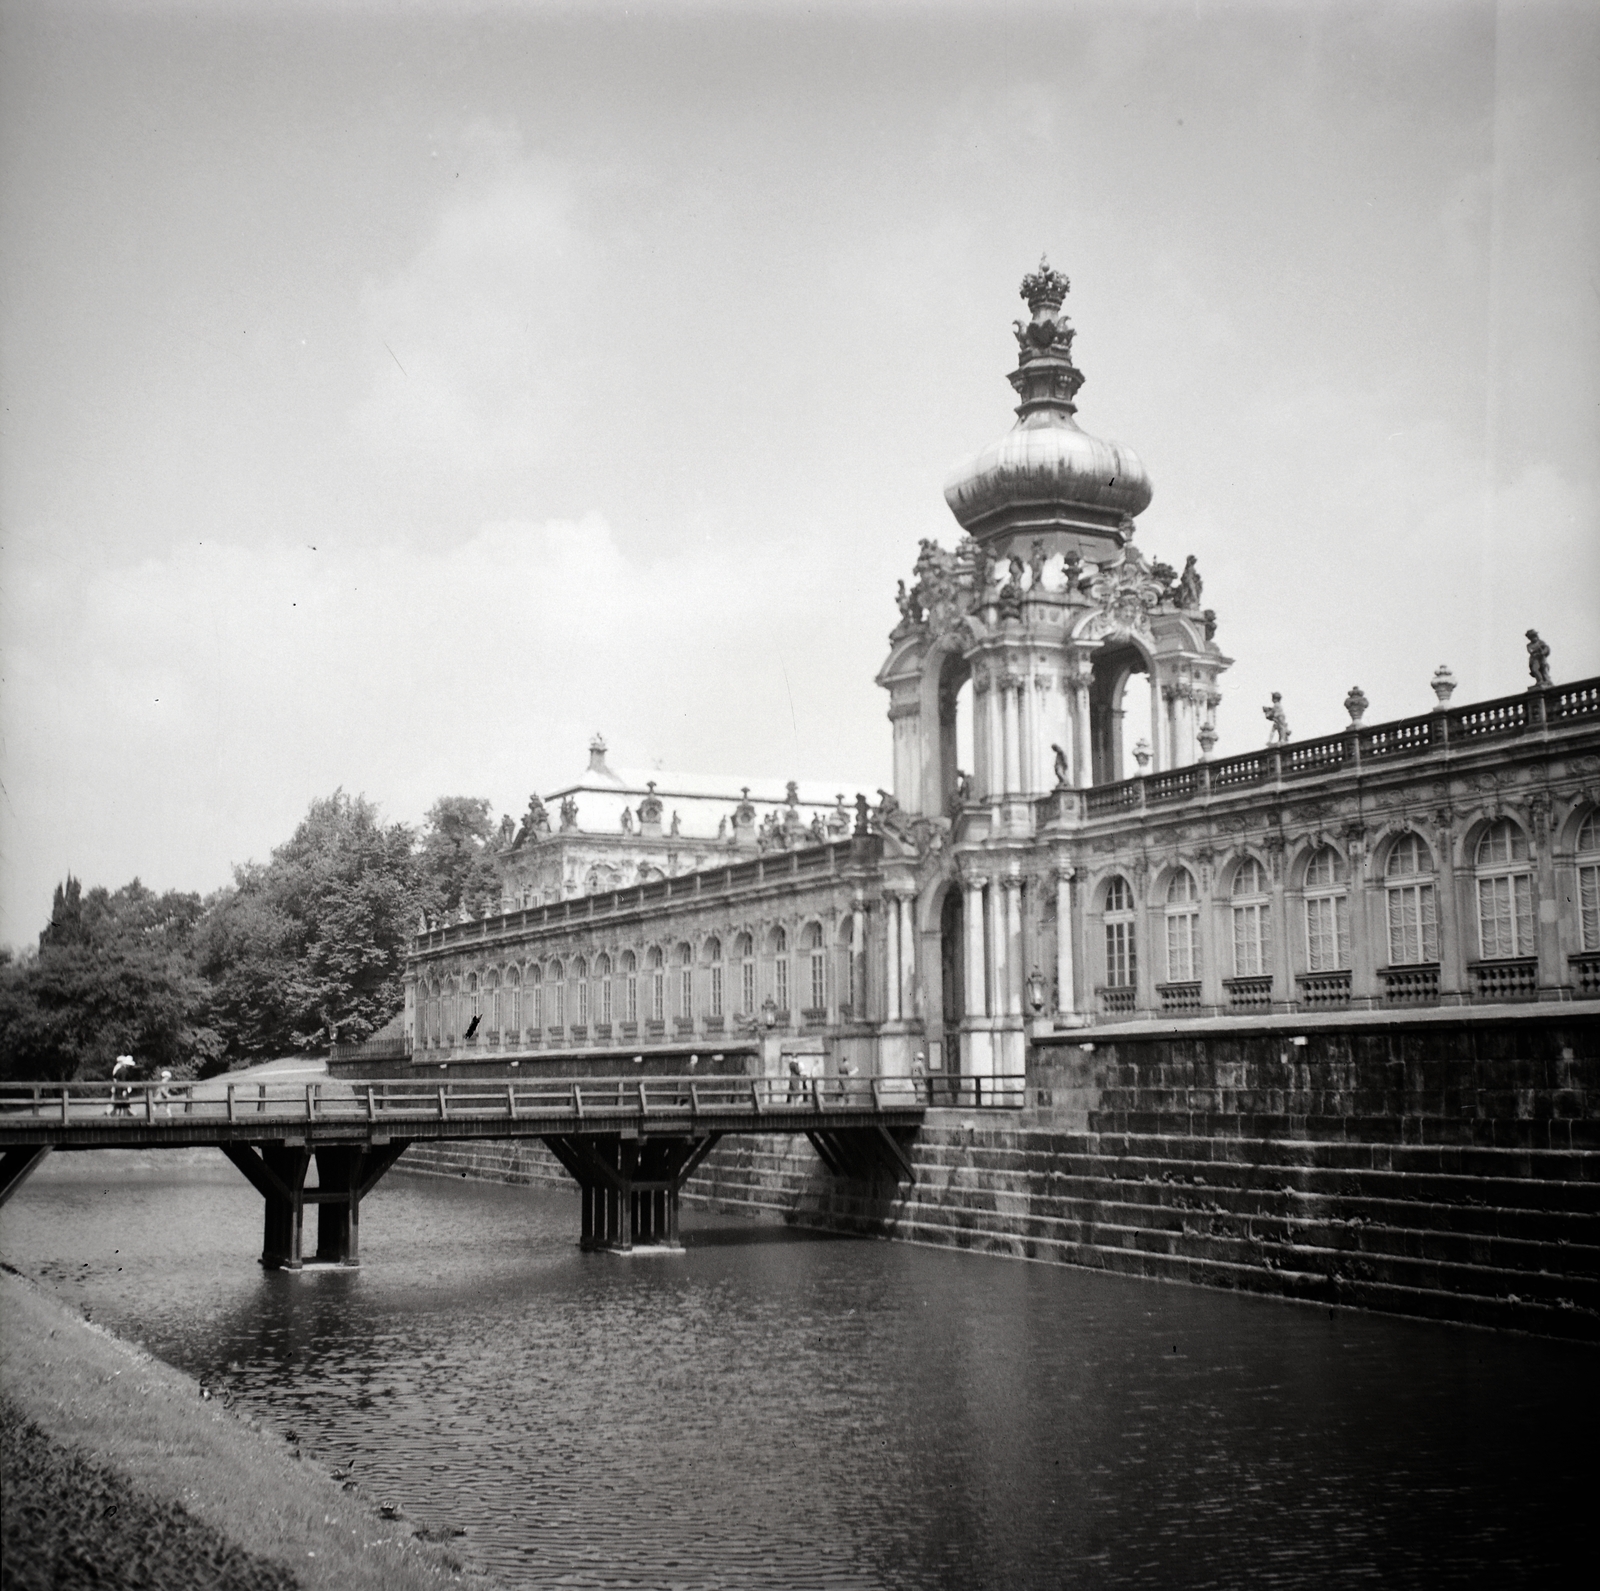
[
  {"x": 1122, "y": 965},
  {"x": 1589, "y": 882},
  {"x": 536, "y": 999},
  {"x": 491, "y": 984},
  {"x": 431, "y": 1018},
  {"x": 558, "y": 995},
  {"x": 1183, "y": 928},
  {"x": 714, "y": 977},
  {"x": 602, "y": 971},
  {"x": 1413, "y": 918},
  {"x": 513, "y": 1006},
  {"x": 1505, "y": 893},
  {"x": 450, "y": 1002},
  {"x": 780, "y": 969},
  {"x": 658, "y": 985},
  {"x": 1327, "y": 913},
  {"x": 630, "y": 986},
  {"x": 819, "y": 967},
  {"x": 686, "y": 981},
  {"x": 745, "y": 950},
  {"x": 580, "y": 991},
  {"x": 1252, "y": 921}
]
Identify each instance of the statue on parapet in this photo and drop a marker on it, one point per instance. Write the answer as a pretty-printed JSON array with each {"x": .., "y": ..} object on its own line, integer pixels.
[
  {"x": 627, "y": 820},
  {"x": 863, "y": 814},
  {"x": 1008, "y": 604},
  {"x": 569, "y": 812},
  {"x": 535, "y": 823},
  {"x": 1062, "y": 779},
  {"x": 1279, "y": 720},
  {"x": 910, "y": 606},
  {"x": 1189, "y": 585},
  {"x": 677, "y": 828},
  {"x": 839, "y": 818},
  {"x": 1538, "y": 661},
  {"x": 819, "y": 830},
  {"x": 1209, "y": 620}
]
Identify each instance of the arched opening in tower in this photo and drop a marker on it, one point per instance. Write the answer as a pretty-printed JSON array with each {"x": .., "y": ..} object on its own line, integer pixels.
[
  {"x": 955, "y": 731},
  {"x": 952, "y": 975},
  {"x": 1116, "y": 724}
]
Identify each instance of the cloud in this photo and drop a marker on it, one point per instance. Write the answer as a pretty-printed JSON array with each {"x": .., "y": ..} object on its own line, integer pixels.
[
  {"x": 177, "y": 716},
  {"x": 469, "y": 368}
]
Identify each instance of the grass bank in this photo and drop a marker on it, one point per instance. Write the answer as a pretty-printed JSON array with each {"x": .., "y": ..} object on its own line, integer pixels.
[{"x": 141, "y": 1451}]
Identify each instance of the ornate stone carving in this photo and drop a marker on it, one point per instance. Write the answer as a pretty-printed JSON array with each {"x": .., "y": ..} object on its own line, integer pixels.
[
  {"x": 1189, "y": 585},
  {"x": 1036, "y": 559},
  {"x": 569, "y": 812},
  {"x": 1125, "y": 594},
  {"x": 1278, "y": 718},
  {"x": 1443, "y": 683},
  {"x": 1356, "y": 703}
]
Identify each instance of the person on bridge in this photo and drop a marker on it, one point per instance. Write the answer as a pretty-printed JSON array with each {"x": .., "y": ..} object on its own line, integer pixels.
[{"x": 121, "y": 1090}]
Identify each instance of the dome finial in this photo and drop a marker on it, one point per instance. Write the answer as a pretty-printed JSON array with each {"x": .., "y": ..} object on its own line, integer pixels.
[{"x": 1045, "y": 289}]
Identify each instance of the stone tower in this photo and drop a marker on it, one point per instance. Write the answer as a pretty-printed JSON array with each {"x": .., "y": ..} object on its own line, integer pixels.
[{"x": 1048, "y": 608}]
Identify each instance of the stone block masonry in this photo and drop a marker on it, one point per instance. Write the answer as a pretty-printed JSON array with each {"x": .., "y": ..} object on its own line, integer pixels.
[{"x": 1447, "y": 1167}]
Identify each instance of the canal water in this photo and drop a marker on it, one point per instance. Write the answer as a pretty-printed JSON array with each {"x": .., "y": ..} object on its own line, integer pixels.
[{"x": 779, "y": 1410}]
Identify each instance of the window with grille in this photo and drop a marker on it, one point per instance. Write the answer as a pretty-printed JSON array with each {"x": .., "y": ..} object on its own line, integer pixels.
[
  {"x": 1252, "y": 921},
  {"x": 514, "y": 1003},
  {"x": 630, "y": 987},
  {"x": 714, "y": 980},
  {"x": 1413, "y": 916},
  {"x": 819, "y": 967},
  {"x": 580, "y": 992},
  {"x": 1183, "y": 928},
  {"x": 1327, "y": 913},
  {"x": 744, "y": 949},
  {"x": 536, "y": 997},
  {"x": 494, "y": 1003},
  {"x": 558, "y": 996},
  {"x": 1505, "y": 893},
  {"x": 602, "y": 969},
  {"x": 658, "y": 987},
  {"x": 780, "y": 969},
  {"x": 1589, "y": 882},
  {"x": 685, "y": 981},
  {"x": 1121, "y": 960}
]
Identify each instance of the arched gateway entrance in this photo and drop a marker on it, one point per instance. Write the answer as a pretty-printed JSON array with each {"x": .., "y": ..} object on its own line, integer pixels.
[{"x": 952, "y": 975}]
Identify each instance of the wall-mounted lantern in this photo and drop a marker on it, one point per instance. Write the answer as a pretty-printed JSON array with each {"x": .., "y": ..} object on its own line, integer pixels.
[{"x": 769, "y": 1012}]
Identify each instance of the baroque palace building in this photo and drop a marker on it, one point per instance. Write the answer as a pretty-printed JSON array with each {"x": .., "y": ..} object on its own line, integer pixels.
[{"x": 1444, "y": 860}]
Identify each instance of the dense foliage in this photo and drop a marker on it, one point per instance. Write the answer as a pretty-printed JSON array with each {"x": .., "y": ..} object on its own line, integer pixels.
[{"x": 298, "y": 950}]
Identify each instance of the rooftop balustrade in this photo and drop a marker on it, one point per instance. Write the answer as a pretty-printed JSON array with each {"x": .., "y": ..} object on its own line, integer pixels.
[{"x": 1506, "y": 718}]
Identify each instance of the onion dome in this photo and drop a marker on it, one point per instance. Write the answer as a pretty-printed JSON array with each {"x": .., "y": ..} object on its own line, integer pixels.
[{"x": 1046, "y": 473}]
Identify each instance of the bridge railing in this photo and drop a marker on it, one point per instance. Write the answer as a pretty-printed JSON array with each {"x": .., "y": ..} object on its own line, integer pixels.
[{"x": 334, "y": 1100}]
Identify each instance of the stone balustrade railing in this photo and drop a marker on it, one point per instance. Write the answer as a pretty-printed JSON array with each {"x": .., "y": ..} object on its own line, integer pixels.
[{"x": 1532, "y": 711}]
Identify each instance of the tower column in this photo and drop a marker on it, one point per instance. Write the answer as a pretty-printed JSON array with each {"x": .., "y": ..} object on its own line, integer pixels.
[
  {"x": 977, "y": 988},
  {"x": 1066, "y": 997},
  {"x": 891, "y": 929},
  {"x": 1011, "y": 946},
  {"x": 1008, "y": 698},
  {"x": 1082, "y": 760},
  {"x": 996, "y": 739},
  {"x": 908, "y": 955}
]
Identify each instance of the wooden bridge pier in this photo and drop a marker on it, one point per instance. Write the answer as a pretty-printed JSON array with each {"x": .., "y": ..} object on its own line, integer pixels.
[
  {"x": 346, "y": 1174},
  {"x": 630, "y": 1187}
]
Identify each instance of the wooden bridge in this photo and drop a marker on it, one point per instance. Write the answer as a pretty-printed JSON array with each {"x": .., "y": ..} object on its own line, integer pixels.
[{"x": 630, "y": 1143}]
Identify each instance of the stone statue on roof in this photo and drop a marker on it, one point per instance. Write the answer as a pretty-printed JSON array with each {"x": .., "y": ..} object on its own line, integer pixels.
[{"x": 1538, "y": 661}]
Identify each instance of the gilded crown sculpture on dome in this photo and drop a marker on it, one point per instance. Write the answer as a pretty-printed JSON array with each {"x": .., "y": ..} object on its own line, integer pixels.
[{"x": 1048, "y": 608}]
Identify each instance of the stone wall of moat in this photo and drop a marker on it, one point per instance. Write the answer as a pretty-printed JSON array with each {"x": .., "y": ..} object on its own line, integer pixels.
[{"x": 1447, "y": 1167}]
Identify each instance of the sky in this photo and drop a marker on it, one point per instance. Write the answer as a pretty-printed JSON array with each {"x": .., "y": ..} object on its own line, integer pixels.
[{"x": 391, "y": 397}]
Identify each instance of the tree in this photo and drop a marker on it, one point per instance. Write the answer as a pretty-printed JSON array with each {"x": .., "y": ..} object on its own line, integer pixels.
[
  {"x": 457, "y": 860},
  {"x": 314, "y": 942}
]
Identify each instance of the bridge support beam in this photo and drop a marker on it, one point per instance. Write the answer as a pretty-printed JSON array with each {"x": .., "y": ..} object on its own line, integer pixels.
[
  {"x": 346, "y": 1173},
  {"x": 630, "y": 1188},
  {"x": 16, "y": 1166}
]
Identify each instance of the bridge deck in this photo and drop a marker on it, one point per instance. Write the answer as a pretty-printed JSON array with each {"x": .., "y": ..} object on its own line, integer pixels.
[{"x": 149, "y": 1116}]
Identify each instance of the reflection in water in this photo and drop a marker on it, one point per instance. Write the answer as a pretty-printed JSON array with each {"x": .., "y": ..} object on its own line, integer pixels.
[{"x": 778, "y": 1410}]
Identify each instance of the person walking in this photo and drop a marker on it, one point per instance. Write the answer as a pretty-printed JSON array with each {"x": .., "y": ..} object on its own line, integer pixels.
[{"x": 122, "y": 1086}]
